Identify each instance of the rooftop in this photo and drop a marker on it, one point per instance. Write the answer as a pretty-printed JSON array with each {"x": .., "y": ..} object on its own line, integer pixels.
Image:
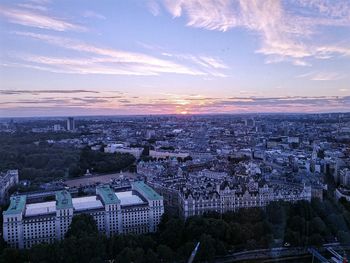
[
  {"x": 86, "y": 203},
  {"x": 127, "y": 198},
  {"x": 40, "y": 208},
  {"x": 17, "y": 204},
  {"x": 107, "y": 195},
  {"x": 147, "y": 191},
  {"x": 63, "y": 199}
]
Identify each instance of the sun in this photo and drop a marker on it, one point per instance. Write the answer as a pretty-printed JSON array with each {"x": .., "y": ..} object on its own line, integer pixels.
[{"x": 184, "y": 112}]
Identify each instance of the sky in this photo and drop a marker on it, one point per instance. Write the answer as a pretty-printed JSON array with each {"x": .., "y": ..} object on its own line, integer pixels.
[{"x": 108, "y": 57}]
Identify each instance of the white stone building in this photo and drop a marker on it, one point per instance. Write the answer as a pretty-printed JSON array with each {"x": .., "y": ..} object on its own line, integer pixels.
[{"x": 136, "y": 211}]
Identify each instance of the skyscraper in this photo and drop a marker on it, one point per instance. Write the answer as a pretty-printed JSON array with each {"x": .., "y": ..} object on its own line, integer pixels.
[{"x": 70, "y": 124}]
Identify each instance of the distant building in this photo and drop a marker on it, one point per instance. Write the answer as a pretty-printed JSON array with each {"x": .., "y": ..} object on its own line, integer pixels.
[
  {"x": 249, "y": 122},
  {"x": 293, "y": 140},
  {"x": 7, "y": 180},
  {"x": 70, "y": 124},
  {"x": 136, "y": 152},
  {"x": 150, "y": 134},
  {"x": 136, "y": 211},
  {"x": 57, "y": 127},
  {"x": 341, "y": 192},
  {"x": 119, "y": 148},
  {"x": 344, "y": 176},
  {"x": 166, "y": 154}
]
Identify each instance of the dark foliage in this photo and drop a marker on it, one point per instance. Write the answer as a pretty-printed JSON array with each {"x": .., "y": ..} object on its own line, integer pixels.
[{"x": 40, "y": 161}]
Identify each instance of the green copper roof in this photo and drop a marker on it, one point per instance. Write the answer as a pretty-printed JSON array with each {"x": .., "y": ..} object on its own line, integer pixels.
[
  {"x": 147, "y": 191},
  {"x": 17, "y": 205},
  {"x": 107, "y": 194},
  {"x": 63, "y": 200}
]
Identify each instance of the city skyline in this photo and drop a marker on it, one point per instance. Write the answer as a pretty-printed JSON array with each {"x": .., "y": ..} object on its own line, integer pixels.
[{"x": 173, "y": 57}]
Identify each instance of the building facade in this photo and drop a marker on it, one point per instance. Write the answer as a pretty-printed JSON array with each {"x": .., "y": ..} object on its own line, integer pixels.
[
  {"x": 70, "y": 124},
  {"x": 224, "y": 200},
  {"x": 7, "y": 180},
  {"x": 136, "y": 211}
]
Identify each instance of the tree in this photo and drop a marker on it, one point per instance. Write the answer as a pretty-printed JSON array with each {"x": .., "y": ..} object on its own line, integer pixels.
[
  {"x": 126, "y": 256},
  {"x": 151, "y": 256},
  {"x": 82, "y": 225},
  {"x": 315, "y": 240},
  {"x": 207, "y": 248},
  {"x": 172, "y": 234},
  {"x": 11, "y": 255},
  {"x": 104, "y": 162},
  {"x": 165, "y": 253},
  {"x": 318, "y": 226}
]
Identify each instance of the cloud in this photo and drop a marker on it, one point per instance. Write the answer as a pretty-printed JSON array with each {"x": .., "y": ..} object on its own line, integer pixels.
[
  {"x": 322, "y": 76},
  {"x": 33, "y": 18},
  {"x": 92, "y": 14},
  {"x": 41, "y": 2},
  {"x": 38, "y": 92},
  {"x": 153, "y": 7},
  {"x": 62, "y": 101},
  {"x": 244, "y": 104},
  {"x": 91, "y": 105},
  {"x": 212, "y": 15},
  {"x": 285, "y": 35},
  {"x": 208, "y": 63},
  {"x": 33, "y": 7},
  {"x": 337, "y": 10},
  {"x": 124, "y": 101},
  {"x": 99, "y": 60}
]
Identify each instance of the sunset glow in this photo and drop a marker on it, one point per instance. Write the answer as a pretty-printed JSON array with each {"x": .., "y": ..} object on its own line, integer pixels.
[{"x": 173, "y": 57}]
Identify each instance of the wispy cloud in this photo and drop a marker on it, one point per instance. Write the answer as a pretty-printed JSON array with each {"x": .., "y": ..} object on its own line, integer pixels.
[
  {"x": 153, "y": 7},
  {"x": 33, "y": 6},
  {"x": 41, "y": 2},
  {"x": 211, "y": 65},
  {"x": 322, "y": 76},
  {"x": 92, "y": 14},
  {"x": 40, "y": 91},
  {"x": 213, "y": 15},
  {"x": 285, "y": 35},
  {"x": 33, "y": 18},
  {"x": 101, "y": 60}
]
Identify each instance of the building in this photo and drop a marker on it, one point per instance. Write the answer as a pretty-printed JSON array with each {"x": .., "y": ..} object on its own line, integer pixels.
[
  {"x": 150, "y": 134},
  {"x": 344, "y": 177},
  {"x": 136, "y": 152},
  {"x": 57, "y": 127},
  {"x": 341, "y": 192},
  {"x": 70, "y": 124},
  {"x": 119, "y": 148},
  {"x": 223, "y": 200},
  {"x": 166, "y": 154},
  {"x": 136, "y": 211},
  {"x": 7, "y": 180}
]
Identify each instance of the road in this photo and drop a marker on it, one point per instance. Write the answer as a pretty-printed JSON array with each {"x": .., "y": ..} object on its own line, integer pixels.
[{"x": 266, "y": 255}]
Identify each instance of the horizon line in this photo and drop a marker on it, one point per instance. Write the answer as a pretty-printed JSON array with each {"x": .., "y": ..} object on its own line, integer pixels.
[{"x": 173, "y": 114}]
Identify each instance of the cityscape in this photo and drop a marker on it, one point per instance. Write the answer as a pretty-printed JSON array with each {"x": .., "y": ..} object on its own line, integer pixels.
[
  {"x": 155, "y": 131},
  {"x": 183, "y": 167}
]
